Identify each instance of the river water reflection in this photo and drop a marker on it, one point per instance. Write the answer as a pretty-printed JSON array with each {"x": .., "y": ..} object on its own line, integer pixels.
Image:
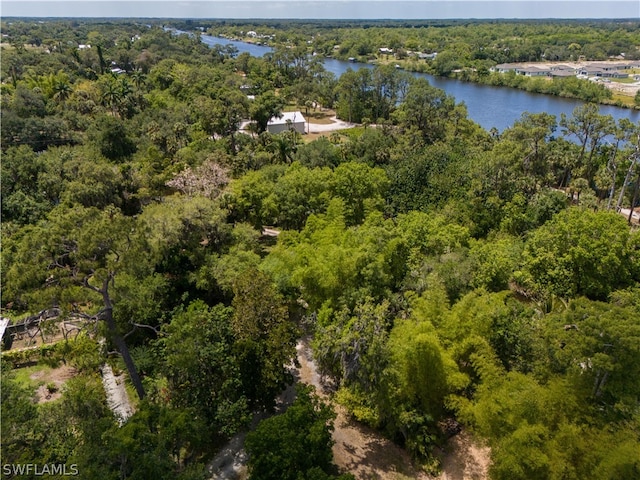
[{"x": 488, "y": 106}]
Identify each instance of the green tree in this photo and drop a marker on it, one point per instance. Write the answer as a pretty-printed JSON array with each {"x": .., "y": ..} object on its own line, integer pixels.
[
  {"x": 494, "y": 262},
  {"x": 319, "y": 153},
  {"x": 580, "y": 252},
  {"x": 295, "y": 445},
  {"x": 427, "y": 109},
  {"x": 361, "y": 187},
  {"x": 265, "y": 107},
  {"x": 596, "y": 346},
  {"x": 202, "y": 367},
  {"x": 350, "y": 346},
  {"x": 75, "y": 247},
  {"x": 419, "y": 377},
  {"x": 265, "y": 337},
  {"x": 350, "y": 103},
  {"x": 300, "y": 192},
  {"x": 590, "y": 128},
  {"x": 533, "y": 132},
  {"x": 112, "y": 139}
]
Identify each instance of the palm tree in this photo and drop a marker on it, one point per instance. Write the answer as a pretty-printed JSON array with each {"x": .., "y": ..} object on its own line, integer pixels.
[
  {"x": 126, "y": 93},
  {"x": 139, "y": 78},
  {"x": 61, "y": 90},
  {"x": 284, "y": 145},
  {"x": 112, "y": 96}
]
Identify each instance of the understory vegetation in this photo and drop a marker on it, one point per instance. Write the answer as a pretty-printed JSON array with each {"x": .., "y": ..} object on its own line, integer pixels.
[{"x": 441, "y": 271}]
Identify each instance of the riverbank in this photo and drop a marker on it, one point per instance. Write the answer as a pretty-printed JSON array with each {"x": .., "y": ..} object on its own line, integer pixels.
[
  {"x": 487, "y": 105},
  {"x": 604, "y": 91}
]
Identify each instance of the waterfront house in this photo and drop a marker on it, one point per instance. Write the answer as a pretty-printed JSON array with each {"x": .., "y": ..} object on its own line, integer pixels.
[
  {"x": 504, "y": 67},
  {"x": 533, "y": 71},
  {"x": 562, "y": 73},
  {"x": 427, "y": 56},
  {"x": 602, "y": 70}
]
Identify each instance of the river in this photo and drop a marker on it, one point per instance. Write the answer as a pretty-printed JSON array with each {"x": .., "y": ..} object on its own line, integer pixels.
[{"x": 488, "y": 106}]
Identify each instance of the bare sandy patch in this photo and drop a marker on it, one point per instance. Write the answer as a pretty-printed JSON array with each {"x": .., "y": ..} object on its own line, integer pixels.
[
  {"x": 367, "y": 454},
  {"x": 55, "y": 378},
  {"x": 465, "y": 459}
]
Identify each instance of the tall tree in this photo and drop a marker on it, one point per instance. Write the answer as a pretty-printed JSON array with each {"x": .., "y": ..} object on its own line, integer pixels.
[
  {"x": 580, "y": 252},
  {"x": 427, "y": 109},
  {"x": 83, "y": 247},
  {"x": 202, "y": 367},
  {"x": 590, "y": 128},
  {"x": 266, "y": 338},
  {"x": 265, "y": 107}
]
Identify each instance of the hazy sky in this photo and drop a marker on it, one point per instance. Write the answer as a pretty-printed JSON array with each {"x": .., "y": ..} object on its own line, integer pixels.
[{"x": 349, "y": 9}]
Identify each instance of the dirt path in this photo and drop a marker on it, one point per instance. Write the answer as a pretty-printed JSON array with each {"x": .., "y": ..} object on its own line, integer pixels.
[
  {"x": 230, "y": 462},
  {"x": 117, "y": 397},
  {"x": 465, "y": 460},
  {"x": 366, "y": 454},
  {"x": 359, "y": 449}
]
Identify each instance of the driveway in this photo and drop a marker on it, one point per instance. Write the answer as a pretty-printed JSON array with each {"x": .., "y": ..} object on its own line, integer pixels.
[{"x": 330, "y": 127}]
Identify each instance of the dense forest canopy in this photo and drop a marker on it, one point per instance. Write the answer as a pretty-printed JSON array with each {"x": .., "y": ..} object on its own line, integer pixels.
[{"x": 440, "y": 271}]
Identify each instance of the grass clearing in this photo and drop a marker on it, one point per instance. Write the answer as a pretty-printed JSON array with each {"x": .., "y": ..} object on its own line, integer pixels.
[
  {"x": 46, "y": 383},
  {"x": 32, "y": 377},
  {"x": 310, "y": 137},
  {"x": 319, "y": 116},
  {"x": 623, "y": 80},
  {"x": 622, "y": 98}
]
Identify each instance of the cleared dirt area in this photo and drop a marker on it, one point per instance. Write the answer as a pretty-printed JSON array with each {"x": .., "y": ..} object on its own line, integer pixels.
[
  {"x": 359, "y": 449},
  {"x": 324, "y": 125},
  {"x": 465, "y": 459},
  {"x": 47, "y": 378},
  {"x": 628, "y": 89},
  {"x": 366, "y": 454}
]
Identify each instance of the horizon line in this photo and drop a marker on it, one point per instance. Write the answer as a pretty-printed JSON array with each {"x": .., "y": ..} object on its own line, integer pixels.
[{"x": 327, "y": 10}]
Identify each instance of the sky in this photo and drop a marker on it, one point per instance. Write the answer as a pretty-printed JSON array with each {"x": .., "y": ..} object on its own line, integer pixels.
[{"x": 309, "y": 9}]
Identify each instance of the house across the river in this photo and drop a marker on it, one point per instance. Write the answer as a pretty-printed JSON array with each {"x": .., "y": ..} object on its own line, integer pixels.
[{"x": 533, "y": 71}]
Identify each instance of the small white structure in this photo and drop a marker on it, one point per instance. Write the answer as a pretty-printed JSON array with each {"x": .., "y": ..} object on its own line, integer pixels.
[
  {"x": 288, "y": 121},
  {"x": 4, "y": 323}
]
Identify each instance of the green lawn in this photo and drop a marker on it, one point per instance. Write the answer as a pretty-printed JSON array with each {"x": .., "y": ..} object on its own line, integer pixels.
[
  {"x": 623, "y": 80},
  {"x": 23, "y": 375}
]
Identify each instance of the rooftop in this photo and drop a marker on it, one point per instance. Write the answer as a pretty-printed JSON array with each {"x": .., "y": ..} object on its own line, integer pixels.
[{"x": 293, "y": 117}]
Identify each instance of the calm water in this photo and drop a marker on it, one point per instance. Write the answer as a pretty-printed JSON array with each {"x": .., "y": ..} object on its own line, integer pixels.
[{"x": 488, "y": 106}]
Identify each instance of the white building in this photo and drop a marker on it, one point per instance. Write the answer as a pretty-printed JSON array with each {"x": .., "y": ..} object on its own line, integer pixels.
[{"x": 288, "y": 121}]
